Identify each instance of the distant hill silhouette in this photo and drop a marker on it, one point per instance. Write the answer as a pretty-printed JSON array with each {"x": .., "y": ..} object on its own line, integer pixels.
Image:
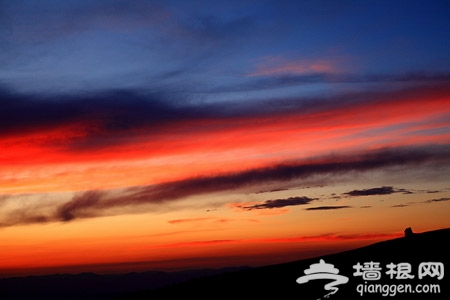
[
  {"x": 90, "y": 286},
  {"x": 277, "y": 281}
]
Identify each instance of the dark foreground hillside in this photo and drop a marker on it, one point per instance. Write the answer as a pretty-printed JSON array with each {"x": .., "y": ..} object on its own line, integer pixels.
[
  {"x": 90, "y": 286},
  {"x": 276, "y": 281},
  {"x": 422, "y": 255}
]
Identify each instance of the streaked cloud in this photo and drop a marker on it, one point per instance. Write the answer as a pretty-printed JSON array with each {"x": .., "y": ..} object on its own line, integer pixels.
[
  {"x": 189, "y": 220},
  {"x": 207, "y": 220},
  {"x": 328, "y": 207},
  {"x": 400, "y": 205},
  {"x": 438, "y": 200},
  {"x": 278, "y": 203},
  {"x": 295, "y": 239},
  {"x": 96, "y": 203},
  {"x": 270, "y": 66},
  {"x": 429, "y": 201},
  {"x": 76, "y": 124}
]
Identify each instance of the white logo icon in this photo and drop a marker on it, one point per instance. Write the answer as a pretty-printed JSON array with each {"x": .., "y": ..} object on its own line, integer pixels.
[{"x": 323, "y": 270}]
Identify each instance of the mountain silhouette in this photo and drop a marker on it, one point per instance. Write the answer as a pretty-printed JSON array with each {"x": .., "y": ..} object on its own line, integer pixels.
[
  {"x": 279, "y": 281},
  {"x": 332, "y": 275},
  {"x": 90, "y": 286}
]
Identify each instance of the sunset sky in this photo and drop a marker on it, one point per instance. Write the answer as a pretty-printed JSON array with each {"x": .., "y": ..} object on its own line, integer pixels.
[{"x": 170, "y": 135}]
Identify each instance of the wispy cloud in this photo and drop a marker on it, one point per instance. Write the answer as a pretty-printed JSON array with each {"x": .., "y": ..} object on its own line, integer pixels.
[
  {"x": 189, "y": 220},
  {"x": 437, "y": 200},
  {"x": 278, "y": 65},
  {"x": 208, "y": 220},
  {"x": 146, "y": 40},
  {"x": 294, "y": 239},
  {"x": 79, "y": 205},
  {"x": 197, "y": 243},
  {"x": 429, "y": 201},
  {"x": 277, "y": 81},
  {"x": 400, "y": 205}
]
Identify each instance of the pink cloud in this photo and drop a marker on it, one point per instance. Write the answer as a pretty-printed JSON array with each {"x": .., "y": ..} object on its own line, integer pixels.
[{"x": 277, "y": 65}]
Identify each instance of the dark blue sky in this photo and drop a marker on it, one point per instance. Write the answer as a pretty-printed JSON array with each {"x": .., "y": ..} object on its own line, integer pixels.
[{"x": 207, "y": 51}]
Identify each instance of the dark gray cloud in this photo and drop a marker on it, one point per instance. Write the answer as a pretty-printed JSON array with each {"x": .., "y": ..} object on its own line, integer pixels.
[
  {"x": 437, "y": 200},
  {"x": 109, "y": 112},
  {"x": 327, "y": 207},
  {"x": 247, "y": 179},
  {"x": 422, "y": 202},
  {"x": 277, "y": 203},
  {"x": 272, "y": 191},
  {"x": 405, "y": 191},
  {"x": 119, "y": 116},
  {"x": 98, "y": 203},
  {"x": 385, "y": 190},
  {"x": 74, "y": 208},
  {"x": 400, "y": 205}
]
